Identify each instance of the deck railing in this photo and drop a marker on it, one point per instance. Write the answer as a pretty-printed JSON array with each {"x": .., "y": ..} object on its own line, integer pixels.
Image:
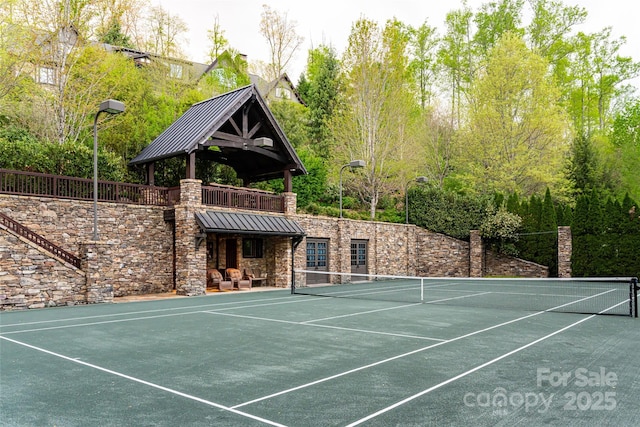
[
  {"x": 65, "y": 187},
  {"x": 245, "y": 198},
  {"x": 45, "y": 185}
]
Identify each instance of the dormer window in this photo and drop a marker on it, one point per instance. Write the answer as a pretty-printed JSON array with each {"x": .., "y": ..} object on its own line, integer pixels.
[{"x": 283, "y": 93}]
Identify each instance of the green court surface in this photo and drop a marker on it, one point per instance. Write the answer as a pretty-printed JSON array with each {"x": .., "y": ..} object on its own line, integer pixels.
[{"x": 272, "y": 358}]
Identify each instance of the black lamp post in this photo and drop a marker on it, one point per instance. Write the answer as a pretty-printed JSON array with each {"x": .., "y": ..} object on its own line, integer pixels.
[{"x": 110, "y": 106}]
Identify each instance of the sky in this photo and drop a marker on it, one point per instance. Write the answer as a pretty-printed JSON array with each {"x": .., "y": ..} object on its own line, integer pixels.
[{"x": 329, "y": 22}]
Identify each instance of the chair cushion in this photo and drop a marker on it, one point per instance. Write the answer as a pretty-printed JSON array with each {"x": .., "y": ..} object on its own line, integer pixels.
[{"x": 215, "y": 274}]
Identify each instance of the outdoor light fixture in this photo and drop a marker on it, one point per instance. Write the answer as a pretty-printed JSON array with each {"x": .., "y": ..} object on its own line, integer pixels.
[
  {"x": 263, "y": 142},
  {"x": 420, "y": 180},
  {"x": 352, "y": 164},
  {"x": 110, "y": 106}
]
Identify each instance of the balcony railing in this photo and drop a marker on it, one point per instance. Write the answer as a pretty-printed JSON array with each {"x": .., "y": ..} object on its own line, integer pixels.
[
  {"x": 64, "y": 187},
  {"x": 241, "y": 198}
]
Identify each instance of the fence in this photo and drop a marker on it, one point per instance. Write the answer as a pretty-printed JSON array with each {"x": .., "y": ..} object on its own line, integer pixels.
[
  {"x": 64, "y": 187},
  {"x": 231, "y": 197}
]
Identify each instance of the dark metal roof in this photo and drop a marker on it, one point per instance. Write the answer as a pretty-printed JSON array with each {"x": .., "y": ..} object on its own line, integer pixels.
[
  {"x": 242, "y": 223},
  {"x": 193, "y": 127},
  {"x": 197, "y": 128}
]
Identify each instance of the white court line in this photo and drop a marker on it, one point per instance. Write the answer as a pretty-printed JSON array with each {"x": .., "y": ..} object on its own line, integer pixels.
[
  {"x": 361, "y": 313},
  {"x": 380, "y": 362},
  {"x": 464, "y": 374},
  {"x": 477, "y": 368},
  {"x": 147, "y": 383},
  {"x": 290, "y": 322},
  {"x": 71, "y": 319},
  {"x": 133, "y": 319},
  {"x": 399, "y": 356}
]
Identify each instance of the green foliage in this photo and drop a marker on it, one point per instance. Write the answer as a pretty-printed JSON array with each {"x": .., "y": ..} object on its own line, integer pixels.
[
  {"x": 69, "y": 159},
  {"x": 583, "y": 166},
  {"x": 515, "y": 138},
  {"x": 606, "y": 237},
  {"x": 446, "y": 212},
  {"x": 500, "y": 230}
]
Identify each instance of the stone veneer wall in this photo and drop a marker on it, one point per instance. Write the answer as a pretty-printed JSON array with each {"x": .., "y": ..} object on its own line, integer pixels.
[
  {"x": 191, "y": 261},
  {"x": 394, "y": 249},
  {"x": 498, "y": 265},
  {"x": 137, "y": 245},
  {"x": 31, "y": 278},
  {"x": 140, "y": 258},
  {"x": 440, "y": 255},
  {"x": 565, "y": 247}
]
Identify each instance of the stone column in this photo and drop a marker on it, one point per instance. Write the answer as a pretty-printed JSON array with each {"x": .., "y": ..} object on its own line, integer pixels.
[
  {"x": 282, "y": 264},
  {"x": 191, "y": 261},
  {"x": 476, "y": 254},
  {"x": 290, "y": 203},
  {"x": 565, "y": 248},
  {"x": 99, "y": 265}
]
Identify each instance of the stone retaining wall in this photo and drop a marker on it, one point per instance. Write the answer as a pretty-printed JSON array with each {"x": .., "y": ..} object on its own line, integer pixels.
[
  {"x": 136, "y": 251},
  {"x": 497, "y": 265},
  {"x": 140, "y": 259}
]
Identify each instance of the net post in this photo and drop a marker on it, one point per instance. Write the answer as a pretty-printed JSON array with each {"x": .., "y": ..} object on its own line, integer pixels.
[
  {"x": 634, "y": 296},
  {"x": 422, "y": 290}
]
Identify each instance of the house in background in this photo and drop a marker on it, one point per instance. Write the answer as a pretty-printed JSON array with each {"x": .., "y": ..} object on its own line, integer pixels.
[{"x": 55, "y": 50}]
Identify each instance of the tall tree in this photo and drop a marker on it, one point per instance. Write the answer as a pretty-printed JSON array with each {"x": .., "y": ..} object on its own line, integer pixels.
[
  {"x": 457, "y": 59},
  {"x": 164, "y": 33},
  {"x": 217, "y": 41},
  {"x": 516, "y": 136},
  {"x": 584, "y": 166},
  {"x": 424, "y": 65},
  {"x": 323, "y": 70},
  {"x": 280, "y": 33},
  {"x": 437, "y": 138},
  {"x": 549, "y": 35},
  {"x": 495, "y": 19},
  {"x": 374, "y": 121}
]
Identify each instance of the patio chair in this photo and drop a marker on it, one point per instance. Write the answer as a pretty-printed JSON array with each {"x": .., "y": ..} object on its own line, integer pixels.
[
  {"x": 215, "y": 279},
  {"x": 239, "y": 282}
]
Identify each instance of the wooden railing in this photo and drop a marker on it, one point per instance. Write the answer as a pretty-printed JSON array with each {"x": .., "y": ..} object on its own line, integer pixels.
[
  {"x": 64, "y": 187},
  {"x": 25, "y": 232},
  {"x": 236, "y": 198},
  {"x": 44, "y": 185}
]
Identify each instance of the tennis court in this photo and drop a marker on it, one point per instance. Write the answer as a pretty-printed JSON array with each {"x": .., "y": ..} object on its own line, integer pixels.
[{"x": 276, "y": 358}]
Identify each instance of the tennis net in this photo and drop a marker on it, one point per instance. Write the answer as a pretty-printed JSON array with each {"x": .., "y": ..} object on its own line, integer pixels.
[{"x": 611, "y": 295}]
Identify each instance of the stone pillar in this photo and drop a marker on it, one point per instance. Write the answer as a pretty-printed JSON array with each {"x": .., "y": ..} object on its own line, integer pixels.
[
  {"x": 191, "y": 261},
  {"x": 412, "y": 254},
  {"x": 290, "y": 203},
  {"x": 476, "y": 254},
  {"x": 565, "y": 249},
  {"x": 99, "y": 264},
  {"x": 282, "y": 264}
]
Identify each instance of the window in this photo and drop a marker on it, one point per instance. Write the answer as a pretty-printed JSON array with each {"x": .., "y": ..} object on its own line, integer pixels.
[
  {"x": 175, "y": 71},
  {"x": 46, "y": 75},
  {"x": 283, "y": 93},
  {"x": 252, "y": 248}
]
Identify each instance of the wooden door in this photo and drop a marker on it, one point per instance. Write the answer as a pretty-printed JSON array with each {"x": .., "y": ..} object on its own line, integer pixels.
[
  {"x": 231, "y": 249},
  {"x": 317, "y": 260}
]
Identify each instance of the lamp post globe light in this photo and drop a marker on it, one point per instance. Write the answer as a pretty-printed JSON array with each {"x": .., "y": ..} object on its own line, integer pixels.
[
  {"x": 110, "y": 106},
  {"x": 352, "y": 164},
  {"x": 420, "y": 180}
]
